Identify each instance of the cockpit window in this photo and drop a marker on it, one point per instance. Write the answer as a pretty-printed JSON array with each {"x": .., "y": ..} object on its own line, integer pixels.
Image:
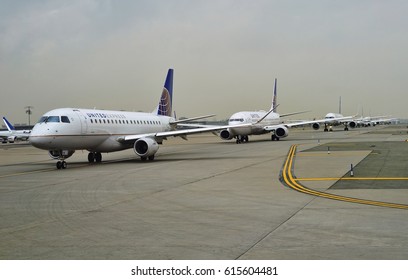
[
  {"x": 49, "y": 119},
  {"x": 42, "y": 119},
  {"x": 53, "y": 119},
  {"x": 65, "y": 119}
]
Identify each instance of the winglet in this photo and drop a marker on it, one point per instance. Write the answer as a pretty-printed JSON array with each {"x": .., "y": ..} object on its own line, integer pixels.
[
  {"x": 274, "y": 98},
  {"x": 165, "y": 104},
  {"x": 10, "y": 127},
  {"x": 273, "y": 109}
]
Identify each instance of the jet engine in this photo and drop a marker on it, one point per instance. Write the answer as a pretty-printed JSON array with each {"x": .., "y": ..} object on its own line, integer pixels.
[
  {"x": 146, "y": 148},
  {"x": 281, "y": 131},
  {"x": 352, "y": 124},
  {"x": 316, "y": 126},
  {"x": 226, "y": 134},
  {"x": 60, "y": 154},
  {"x": 11, "y": 139}
]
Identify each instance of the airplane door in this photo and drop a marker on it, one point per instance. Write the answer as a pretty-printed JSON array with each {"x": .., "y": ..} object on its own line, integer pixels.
[{"x": 83, "y": 120}]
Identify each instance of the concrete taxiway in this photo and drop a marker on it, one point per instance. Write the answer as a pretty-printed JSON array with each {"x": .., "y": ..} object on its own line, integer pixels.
[{"x": 209, "y": 199}]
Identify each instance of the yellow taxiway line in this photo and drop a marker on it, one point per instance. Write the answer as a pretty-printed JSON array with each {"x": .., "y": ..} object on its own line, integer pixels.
[{"x": 293, "y": 183}]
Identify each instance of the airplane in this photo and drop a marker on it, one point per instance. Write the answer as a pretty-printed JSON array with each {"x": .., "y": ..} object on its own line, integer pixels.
[
  {"x": 373, "y": 121},
  {"x": 335, "y": 119},
  {"x": 11, "y": 135},
  {"x": 245, "y": 123},
  {"x": 63, "y": 131}
]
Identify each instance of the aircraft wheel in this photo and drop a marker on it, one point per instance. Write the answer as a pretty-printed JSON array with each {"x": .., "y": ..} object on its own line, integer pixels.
[
  {"x": 143, "y": 158},
  {"x": 151, "y": 157},
  {"x": 98, "y": 157},
  {"x": 63, "y": 164},
  {"x": 59, "y": 165},
  {"x": 91, "y": 157}
]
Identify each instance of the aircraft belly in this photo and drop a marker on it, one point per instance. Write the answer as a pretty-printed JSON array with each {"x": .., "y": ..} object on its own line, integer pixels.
[
  {"x": 258, "y": 130},
  {"x": 110, "y": 144},
  {"x": 241, "y": 131},
  {"x": 71, "y": 142}
]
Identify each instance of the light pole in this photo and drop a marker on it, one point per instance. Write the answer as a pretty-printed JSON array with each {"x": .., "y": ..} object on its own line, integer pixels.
[{"x": 29, "y": 112}]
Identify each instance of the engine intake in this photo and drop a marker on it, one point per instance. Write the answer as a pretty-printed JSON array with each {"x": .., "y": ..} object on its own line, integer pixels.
[
  {"x": 281, "y": 131},
  {"x": 226, "y": 134},
  {"x": 145, "y": 147},
  {"x": 316, "y": 126},
  {"x": 352, "y": 124}
]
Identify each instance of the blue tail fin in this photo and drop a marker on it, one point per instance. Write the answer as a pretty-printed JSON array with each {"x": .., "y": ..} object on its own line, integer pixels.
[
  {"x": 10, "y": 127},
  {"x": 166, "y": 100}
]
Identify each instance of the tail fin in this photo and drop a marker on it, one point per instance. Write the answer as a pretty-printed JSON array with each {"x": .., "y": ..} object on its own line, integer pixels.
[
  {"x": 10, "y": 127},
  {"x": 274, "y": 98},
  {"x": 166, "y": 100}
]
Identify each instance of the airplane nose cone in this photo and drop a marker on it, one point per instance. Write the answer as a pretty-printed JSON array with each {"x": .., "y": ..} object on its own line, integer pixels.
[{"x": 38, "y": 139}]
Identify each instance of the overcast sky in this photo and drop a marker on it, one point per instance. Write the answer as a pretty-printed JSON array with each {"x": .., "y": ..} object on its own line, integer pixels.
[{"x": 226, "y": 54}]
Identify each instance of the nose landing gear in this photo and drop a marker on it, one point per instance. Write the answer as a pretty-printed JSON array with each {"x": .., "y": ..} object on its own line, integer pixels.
[{"x": 61, "y": 164}]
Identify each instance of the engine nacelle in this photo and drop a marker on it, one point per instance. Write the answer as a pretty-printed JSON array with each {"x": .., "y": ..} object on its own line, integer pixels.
[
  {"x": 11, "y": 139},
  {"x": 145, "y": 147},
  {"x": 316, "y": 126},
  {"x": 281, "y": 131},
  {"x": 226, "y": 134},
  {"x": 60, "y": 154},
  {"x": 352, "y": 124}
]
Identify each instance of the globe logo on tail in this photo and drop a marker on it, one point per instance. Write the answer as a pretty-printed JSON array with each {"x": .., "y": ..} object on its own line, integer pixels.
[{"x": 165, "y": 104}]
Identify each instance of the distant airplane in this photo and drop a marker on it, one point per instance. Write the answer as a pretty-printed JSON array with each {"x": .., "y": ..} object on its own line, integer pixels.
[
  {"x": 373, "y": 121},
  {"x": 334, "y": 119},
  {"x": 245, "y": 123},
  {"x": 12, "y": 135},
  {"x": 63, "y": 131}
]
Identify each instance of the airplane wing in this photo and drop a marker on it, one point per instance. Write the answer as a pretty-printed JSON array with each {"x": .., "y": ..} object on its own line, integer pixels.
[
  {"x": 181, "y": 133},
  {"x": 300, "y": 123}
]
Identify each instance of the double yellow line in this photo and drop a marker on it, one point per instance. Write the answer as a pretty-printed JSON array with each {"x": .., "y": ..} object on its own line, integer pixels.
[{"x": 292, "y": 182}]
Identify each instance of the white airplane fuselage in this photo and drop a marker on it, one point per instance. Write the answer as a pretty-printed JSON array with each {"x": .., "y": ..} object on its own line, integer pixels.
[
  {"x": 93, "y": 130},
  {"x": 330, "y": 116},
  {"x": 252, "y": 117}
]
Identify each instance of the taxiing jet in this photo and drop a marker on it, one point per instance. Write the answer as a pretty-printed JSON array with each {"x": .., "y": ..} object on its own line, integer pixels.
[
  {"x": 335, "y": 119},
  {"x": 245, "y": 123},
  {"x": 373, "y": 121},
  {"x": 12, "y": 135},
  {"x": 63, "y": 131}
]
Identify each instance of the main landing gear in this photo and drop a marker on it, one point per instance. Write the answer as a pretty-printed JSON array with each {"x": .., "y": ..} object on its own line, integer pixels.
[
  {"x": 274, "y": 137},
  {"x": 241, "y": 139},
  {"x": 147, "y": 158},
  {"x": 94, "y": 157},
  {"x": 61, "y": 164}
]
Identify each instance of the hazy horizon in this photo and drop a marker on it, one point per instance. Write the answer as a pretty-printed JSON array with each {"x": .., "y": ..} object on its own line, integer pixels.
[{"x": 226, "y": 54}]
